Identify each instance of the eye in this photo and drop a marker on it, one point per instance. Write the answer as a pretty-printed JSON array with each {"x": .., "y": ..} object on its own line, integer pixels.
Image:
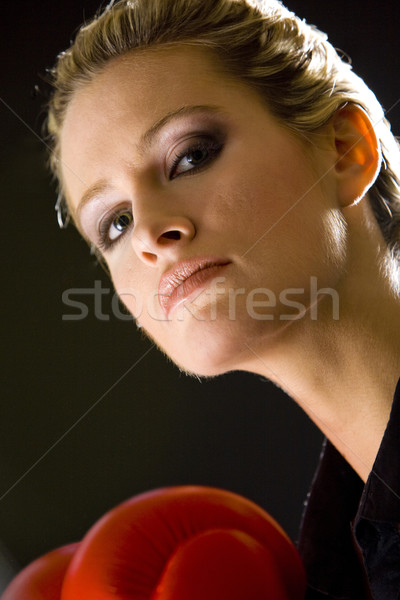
[
  {"x": 113, "y": 227},
  {"x": 119, "y": 224},
  {"x": 192, "y": 159},
  {"x": 195, "y": 157}
]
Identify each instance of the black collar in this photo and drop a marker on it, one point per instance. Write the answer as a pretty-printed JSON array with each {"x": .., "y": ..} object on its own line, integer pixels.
[{"x": 350, "y": 532}]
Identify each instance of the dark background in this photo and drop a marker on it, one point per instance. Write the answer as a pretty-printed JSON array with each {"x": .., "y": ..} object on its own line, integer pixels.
[{"x": 77, "y": 436}]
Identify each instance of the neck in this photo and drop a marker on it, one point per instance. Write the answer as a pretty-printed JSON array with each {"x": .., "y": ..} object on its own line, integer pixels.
[{"x": 343, "y": 372}]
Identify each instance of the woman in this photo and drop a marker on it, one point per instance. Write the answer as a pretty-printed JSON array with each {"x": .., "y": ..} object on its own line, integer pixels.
[{"x": 241, "y": 185}]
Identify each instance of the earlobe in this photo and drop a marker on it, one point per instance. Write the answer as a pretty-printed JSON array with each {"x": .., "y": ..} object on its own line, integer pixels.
[{"x": 358, "y": 155}]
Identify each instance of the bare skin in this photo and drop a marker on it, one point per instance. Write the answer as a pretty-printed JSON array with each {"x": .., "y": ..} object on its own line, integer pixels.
[{"x": 224, "y": 182}]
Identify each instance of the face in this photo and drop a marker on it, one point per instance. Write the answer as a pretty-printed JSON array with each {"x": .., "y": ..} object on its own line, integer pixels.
[{"x": 205, "y": 208}]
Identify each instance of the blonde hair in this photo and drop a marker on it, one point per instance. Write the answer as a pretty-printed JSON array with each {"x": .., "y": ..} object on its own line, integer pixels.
[{"x": 301, "y": 77}]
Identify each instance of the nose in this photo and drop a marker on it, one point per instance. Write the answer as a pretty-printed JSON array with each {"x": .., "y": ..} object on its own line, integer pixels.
[{"x": 161, "y": 237}]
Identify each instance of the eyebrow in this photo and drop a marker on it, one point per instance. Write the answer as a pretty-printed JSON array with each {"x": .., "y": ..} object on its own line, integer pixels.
[
  {"x": 99, "y": 188},
  {"x": 148, "y": 138},
  {"x": 144, "y": 144}
]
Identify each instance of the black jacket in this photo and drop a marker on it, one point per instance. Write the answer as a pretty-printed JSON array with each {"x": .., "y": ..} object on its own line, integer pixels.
[{"x": 350, "y": 533}]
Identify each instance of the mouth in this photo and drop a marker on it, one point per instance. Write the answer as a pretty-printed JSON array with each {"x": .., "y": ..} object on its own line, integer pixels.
[{"x": 186, "y": 278}]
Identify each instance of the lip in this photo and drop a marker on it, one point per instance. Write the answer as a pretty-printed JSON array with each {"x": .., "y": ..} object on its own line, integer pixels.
[{"x": 188, "y": 276}]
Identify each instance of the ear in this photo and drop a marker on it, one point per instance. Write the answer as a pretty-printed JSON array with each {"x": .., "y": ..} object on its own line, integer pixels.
[{"x": 358, "y": 154}]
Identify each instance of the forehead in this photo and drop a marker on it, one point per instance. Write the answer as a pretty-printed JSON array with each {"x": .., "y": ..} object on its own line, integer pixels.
[
  {"x": 144, "y": 72},
  {"x": 143, "y": 85},
  {"x": 130, "y": 94},
  {"x": 107, "y": 117}
]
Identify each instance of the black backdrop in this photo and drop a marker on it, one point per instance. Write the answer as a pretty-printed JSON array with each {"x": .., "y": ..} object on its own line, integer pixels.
[{"x": 87, "y": 418}]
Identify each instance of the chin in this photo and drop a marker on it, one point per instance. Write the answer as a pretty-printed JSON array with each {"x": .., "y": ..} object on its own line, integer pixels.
[
  {"x": 206, "y": 347},
  {"x": 215, "y": 348},
  {"x": 204, "y": 366}
]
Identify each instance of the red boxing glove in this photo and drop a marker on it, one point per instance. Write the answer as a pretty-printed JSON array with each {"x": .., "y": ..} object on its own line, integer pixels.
[
  {"x": 43, "y": 578},
  {"x": 185, "y": 543}
]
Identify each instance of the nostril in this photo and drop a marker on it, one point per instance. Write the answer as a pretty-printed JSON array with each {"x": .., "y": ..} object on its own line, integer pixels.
[
  {"x": 150, "y": 257},
  {"x": 171, "y": 235}
]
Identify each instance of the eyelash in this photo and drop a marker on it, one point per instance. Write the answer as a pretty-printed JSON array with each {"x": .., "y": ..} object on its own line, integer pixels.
[
  {"x": 212, "y": 146},
  {"x": 104, "y": 242}
]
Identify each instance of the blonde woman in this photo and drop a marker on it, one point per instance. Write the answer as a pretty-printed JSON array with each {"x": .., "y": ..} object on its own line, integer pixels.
[{"x": 241, "y": 185}]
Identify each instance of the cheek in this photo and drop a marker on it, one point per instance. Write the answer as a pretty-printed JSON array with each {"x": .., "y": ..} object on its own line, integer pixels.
[
  {"x": 265, "y": 184},
  {"x": 126, "y": 284},
  {"x": 139, "y": 293},
  {"x": 289, "y": 223}
]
